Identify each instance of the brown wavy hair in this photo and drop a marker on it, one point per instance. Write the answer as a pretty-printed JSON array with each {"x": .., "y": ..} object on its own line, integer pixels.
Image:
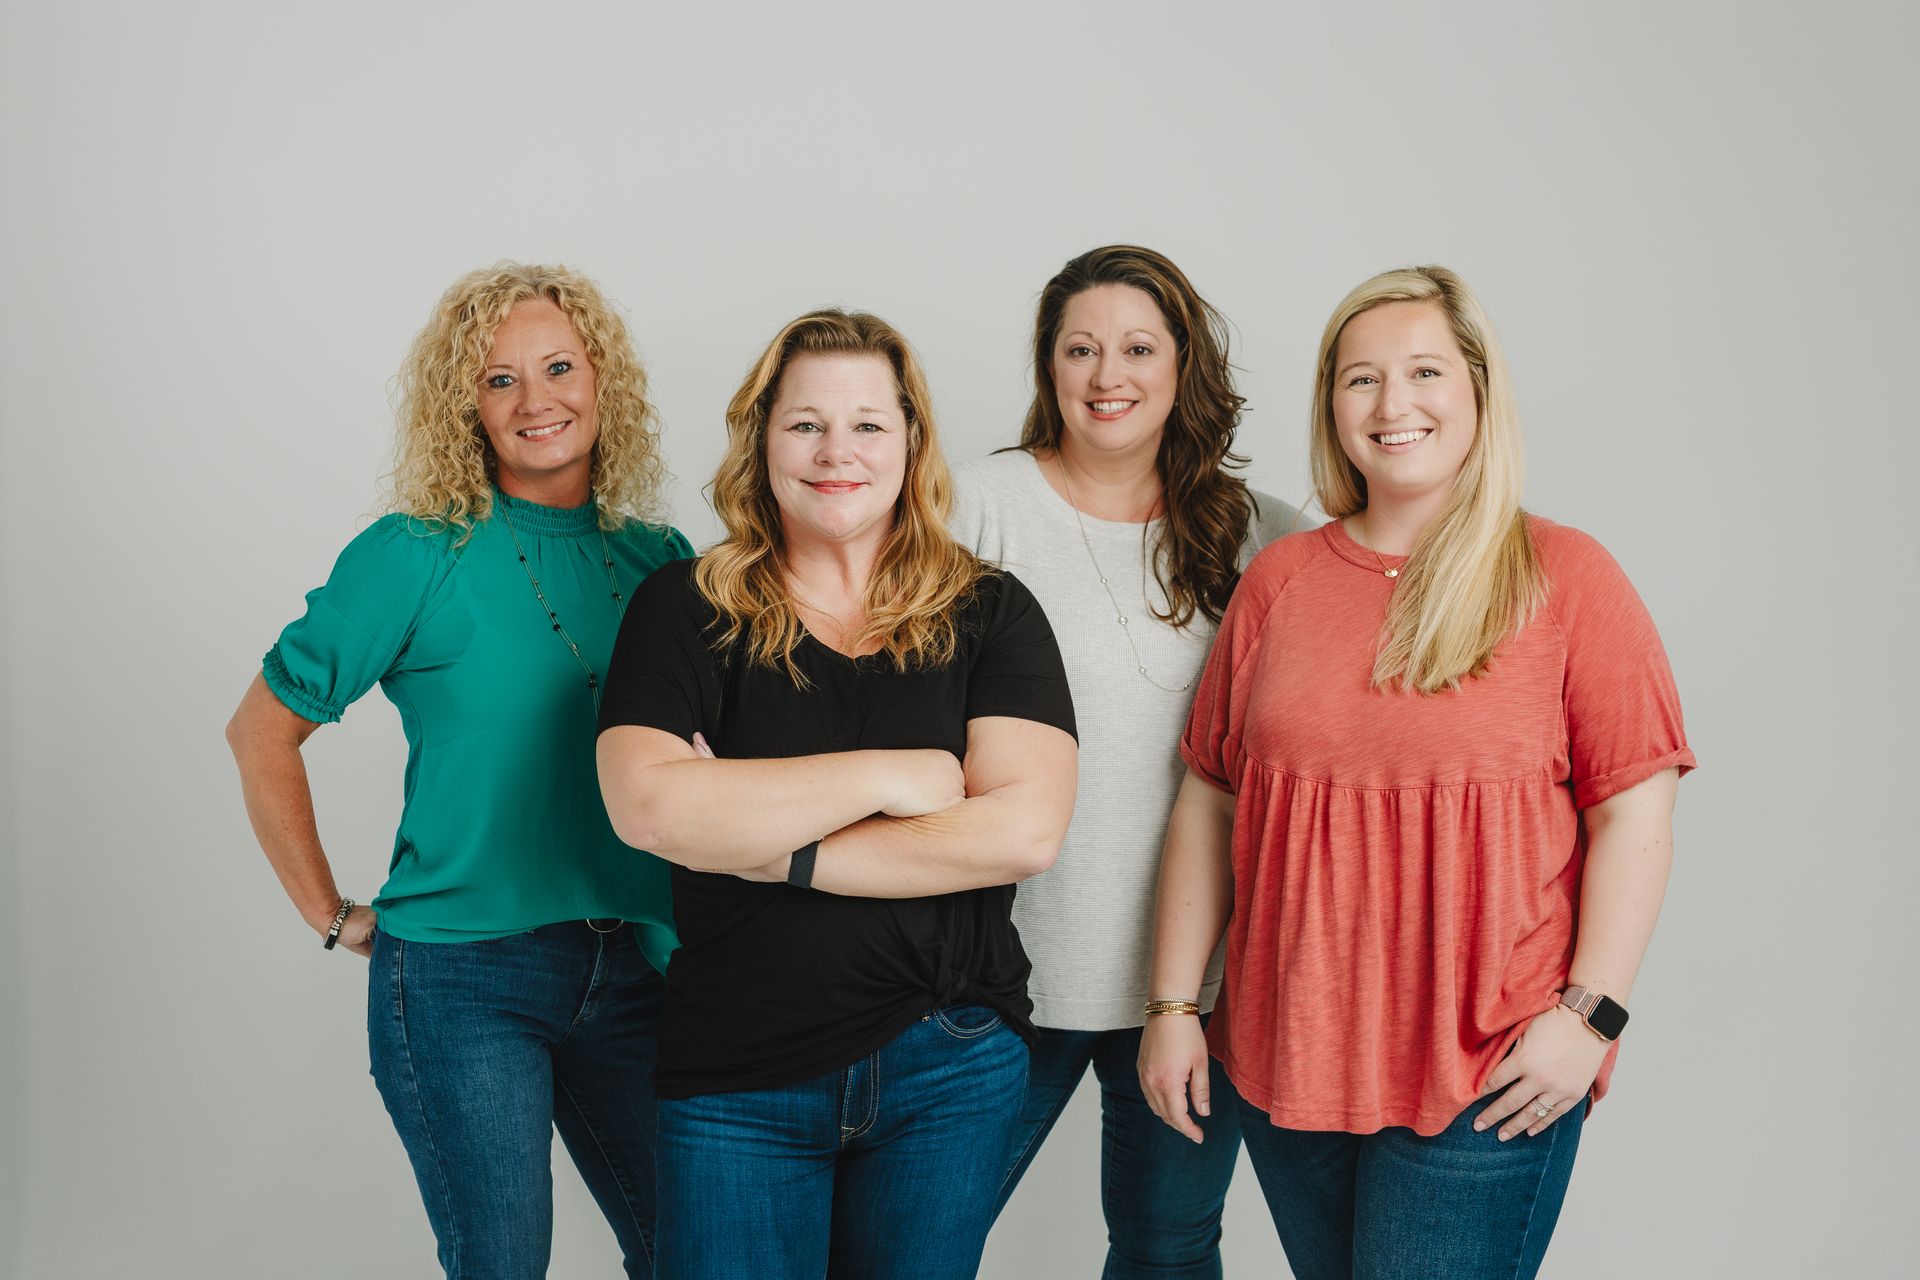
[
  {"x": 444, "y": 465},
  {"x": 1207, "y": 508},
  {"x": 922, "y": 576},
  {"x": 1474, "y": 577}
]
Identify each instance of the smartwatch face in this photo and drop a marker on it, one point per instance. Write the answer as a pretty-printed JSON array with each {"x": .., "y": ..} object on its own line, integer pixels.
[{"x": 1608, "y": 1018}]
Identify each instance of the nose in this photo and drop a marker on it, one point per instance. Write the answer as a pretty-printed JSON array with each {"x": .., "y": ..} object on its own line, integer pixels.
[
  {"x": 536, "y": 397},
  {"x": 1107, "y": 372},
  {"x": 834, "y": 448},
  {"x": 1392, "y": 402}
]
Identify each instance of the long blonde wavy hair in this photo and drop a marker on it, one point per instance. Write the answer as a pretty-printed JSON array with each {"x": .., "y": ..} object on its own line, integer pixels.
[
  {"x": 921, "y": 576},
  {"x": 444, "y": 465},
  {"x": 1474, "y": 577}
]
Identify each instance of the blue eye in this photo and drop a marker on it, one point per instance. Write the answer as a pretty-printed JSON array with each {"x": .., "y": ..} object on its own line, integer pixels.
[
  {"x": 559, "y": 367},
  {"x": 804, "y": 426},
  {"x": 869, "y": 426},
  {"x": 500, "y": 381},
  {"x": 1356, "y": 381}
]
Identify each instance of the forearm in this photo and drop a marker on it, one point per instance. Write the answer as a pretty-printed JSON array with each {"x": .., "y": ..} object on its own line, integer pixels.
[
  {"x": 1196, "y": 890},
  {"x": 997, "y": 838},
  {"x": 728, "y": 814},
  {"x": 1629, "y": 855},
  {"x": 273, "y": 783}
]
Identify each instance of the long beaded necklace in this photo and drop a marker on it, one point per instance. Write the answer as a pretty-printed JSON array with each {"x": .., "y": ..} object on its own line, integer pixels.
[
  {"x": 606, "y": 558},
  {"x": 1119, "y": 614}
]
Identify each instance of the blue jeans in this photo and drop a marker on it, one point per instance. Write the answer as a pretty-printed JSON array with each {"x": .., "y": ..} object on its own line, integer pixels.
[
  {"x": 482, "y": 1049},
  {"x": 887, "y": 1168},
  {"x": 1162, "y": 1193},
  {"x": 1394, "y": 1204}
]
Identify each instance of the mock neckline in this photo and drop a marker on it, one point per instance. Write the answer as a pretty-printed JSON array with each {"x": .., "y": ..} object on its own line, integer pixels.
[{"x": 554, "y": 522}]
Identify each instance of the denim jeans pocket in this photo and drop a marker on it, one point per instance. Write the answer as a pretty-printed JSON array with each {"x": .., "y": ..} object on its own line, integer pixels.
[{"x": 966, "y": 1021}]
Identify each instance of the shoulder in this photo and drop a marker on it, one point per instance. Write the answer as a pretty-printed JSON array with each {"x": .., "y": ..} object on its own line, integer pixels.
[
  {"x": 980, "y": 483},
  {"x": 1001, "y": 602},
  {"x": 660, "y": 542},
  {"x": 670, "y": 585},
  {"x": 1281, "y": 559},
  {"x": 399, "y": 548},
  {"x": 1272, "y": 520},
  {"x": 1572, "y": 560}
]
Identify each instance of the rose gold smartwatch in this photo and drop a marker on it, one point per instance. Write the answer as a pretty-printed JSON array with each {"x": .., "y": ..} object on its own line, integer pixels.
[{"x": 1604, "y": 1016}]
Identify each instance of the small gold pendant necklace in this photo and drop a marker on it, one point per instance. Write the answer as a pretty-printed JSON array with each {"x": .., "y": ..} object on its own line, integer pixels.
[{"x": 1367, "y": 529}]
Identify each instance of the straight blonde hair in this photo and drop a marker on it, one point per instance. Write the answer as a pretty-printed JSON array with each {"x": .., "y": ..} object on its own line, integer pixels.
[
  {"x": 1474, "y": 577},
  {"x": 922, "y": 576}
]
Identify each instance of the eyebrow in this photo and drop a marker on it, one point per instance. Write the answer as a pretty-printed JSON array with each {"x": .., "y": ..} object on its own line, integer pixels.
[
  {"x": 1082, "y": 333},
  {"x": 550, "y": 355},
  {"x": 1368, "y": 364},
  {"x": 807, "y": 408}
]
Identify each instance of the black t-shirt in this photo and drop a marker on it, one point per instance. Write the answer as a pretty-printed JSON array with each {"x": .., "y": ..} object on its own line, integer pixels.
[{"x": 773, "y": 985}]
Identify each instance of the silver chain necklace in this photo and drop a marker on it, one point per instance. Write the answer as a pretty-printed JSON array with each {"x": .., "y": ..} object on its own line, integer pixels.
[
  {"x": 1119, "y": 614},
  {"x": 606, "y": 558}
]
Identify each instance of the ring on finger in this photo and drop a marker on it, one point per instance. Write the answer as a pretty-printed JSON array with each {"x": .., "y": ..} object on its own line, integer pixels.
[{"x": 1540, "y": 1109}]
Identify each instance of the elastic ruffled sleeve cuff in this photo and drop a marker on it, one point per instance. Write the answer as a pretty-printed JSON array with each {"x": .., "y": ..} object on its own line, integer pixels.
[
  {"x": 298, "y": 700},
  {"x": 1591, "y": 791}
]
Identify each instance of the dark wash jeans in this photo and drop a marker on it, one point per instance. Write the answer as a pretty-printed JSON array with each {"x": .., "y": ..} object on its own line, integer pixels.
[
  {"x": 482, "y": 1049},
  {"x": 886, "y": 1170},
  {"x": 1162, "y": 1193},
  {"x": 1392, "y": 1204}
]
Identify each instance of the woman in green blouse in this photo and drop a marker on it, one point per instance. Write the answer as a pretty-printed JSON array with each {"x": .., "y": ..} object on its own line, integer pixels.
[{"x": 506, "y": 997}]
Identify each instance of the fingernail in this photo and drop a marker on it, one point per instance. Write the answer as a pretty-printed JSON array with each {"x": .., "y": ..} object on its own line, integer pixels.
[
  {"x": 1505, "y": 1136},
  {"x": 1479, "y": 1126}
]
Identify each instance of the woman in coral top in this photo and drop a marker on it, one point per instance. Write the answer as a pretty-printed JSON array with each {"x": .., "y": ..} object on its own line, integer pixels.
[{"x": 1431, "y": 773}]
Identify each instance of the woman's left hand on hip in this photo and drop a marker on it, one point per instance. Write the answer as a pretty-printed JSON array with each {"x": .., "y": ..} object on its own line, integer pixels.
[{"x": 1547, "y": 1072}]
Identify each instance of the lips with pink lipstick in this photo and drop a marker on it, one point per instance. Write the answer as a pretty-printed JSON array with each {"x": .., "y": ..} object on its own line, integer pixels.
[
  {"x": 545, "y": 431},
  {"x": 1110, "y": 410}
]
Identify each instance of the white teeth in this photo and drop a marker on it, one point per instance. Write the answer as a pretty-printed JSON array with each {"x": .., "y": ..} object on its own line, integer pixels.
[
  {"x": 1111, "y": 406},
  {"x": 541, "y": 433},
  {"x": 1403, "y": 437}
]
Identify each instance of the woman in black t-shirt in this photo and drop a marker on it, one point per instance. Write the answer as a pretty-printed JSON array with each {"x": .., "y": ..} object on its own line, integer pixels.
[{"x": 851, "y": 738}]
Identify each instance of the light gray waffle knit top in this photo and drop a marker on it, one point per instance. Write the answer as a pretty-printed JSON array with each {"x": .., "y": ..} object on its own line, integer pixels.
[{"x": 1087, "y": 924}]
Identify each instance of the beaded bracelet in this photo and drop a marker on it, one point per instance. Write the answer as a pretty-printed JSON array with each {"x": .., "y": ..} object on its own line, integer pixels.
[{"x": 339, "y": 918}]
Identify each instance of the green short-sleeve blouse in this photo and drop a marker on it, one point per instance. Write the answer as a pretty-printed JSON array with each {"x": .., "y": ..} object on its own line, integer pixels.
[{"x": 503, "y": 829}]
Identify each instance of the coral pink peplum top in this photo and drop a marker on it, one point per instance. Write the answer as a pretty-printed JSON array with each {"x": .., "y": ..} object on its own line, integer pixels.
[{"x": 1406, "y": 869}]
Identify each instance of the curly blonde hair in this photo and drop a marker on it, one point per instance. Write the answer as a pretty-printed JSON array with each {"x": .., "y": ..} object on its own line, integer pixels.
[
  {"x": 922, "y": 575},
  {"x": 444, "y": 465}
]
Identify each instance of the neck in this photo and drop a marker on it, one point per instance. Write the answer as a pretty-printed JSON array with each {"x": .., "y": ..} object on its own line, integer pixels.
[
  {"x": 569, "y": 488},
  {"x": 1392, "y": 525},
  {"x": 1121, "y": 487},
  {"x": 832, "y": 575}
]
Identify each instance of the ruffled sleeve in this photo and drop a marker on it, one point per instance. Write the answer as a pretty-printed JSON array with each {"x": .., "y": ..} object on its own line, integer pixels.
[
  {"x": 1622, "y": 708},
  {"x": 357, "y": 626}
]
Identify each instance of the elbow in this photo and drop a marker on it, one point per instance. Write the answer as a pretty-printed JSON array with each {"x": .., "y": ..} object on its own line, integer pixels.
[
  {"x": 1036, "y": 849},
  {"x": 633, "y": 817},
  {"x": 1035, "y": 858}
]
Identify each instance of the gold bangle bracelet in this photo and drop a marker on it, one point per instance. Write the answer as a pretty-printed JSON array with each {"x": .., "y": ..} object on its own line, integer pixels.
[{"x": 1157, "y": 1007}]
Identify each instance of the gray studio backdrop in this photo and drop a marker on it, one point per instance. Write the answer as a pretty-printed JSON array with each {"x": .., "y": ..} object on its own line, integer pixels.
[{"x": 220, "y": 225}]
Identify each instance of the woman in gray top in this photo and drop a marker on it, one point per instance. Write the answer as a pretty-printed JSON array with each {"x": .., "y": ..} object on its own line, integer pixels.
[{"x": 1120, "y": 510}]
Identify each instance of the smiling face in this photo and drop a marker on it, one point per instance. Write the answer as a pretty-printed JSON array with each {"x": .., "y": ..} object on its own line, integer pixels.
[
  {"x": 537, "y": 402},
  {"x": 836, "y": 449},
  {"x": 1403, "y": 400},
  {"x": 1115, "y": 371}
]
